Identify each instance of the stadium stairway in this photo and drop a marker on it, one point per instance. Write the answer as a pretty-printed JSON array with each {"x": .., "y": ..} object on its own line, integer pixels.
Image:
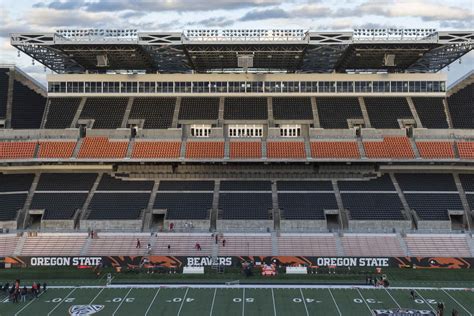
[
  {"x": 274, "y": 243},
  {"x": 85, "y": 209},
  {"x": 342, "y": 212},
  {"x": 407, "y": 213},
  {"x": 416, "y": 152},
  {"x": 19, "y": 246},
  {"x": 77, "y": 148},
  {"x": 465, "y": 203},
  {"x": 403, "y": 245},
  {"x": 85, "y": 247},
  {"x": 23, "y": 217},
  {"x": 470, "y": 242},
  {"x": 339, "y": 247}
]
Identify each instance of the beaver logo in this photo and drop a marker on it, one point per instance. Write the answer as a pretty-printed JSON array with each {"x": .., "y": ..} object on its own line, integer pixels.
[{"x": 81, "y": 310}]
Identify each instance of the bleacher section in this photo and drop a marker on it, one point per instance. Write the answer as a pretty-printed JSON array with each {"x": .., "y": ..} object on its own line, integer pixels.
[
  {"x": 204, "y": 150},
  {"x": 242, "y": 185},
  {"x": 117, "y": 244},
  {"x": 8, "y": 244},
  {"x": 384, "y": 112},
  {"x": 27, "y": 107},
  {"x": 249, "y": 108},
  {"x": 434, "y": 206},
  {"x": 245, "y": 150},
  {"x": 61, "y": 112},
  {"x": 435, "y": 149},
  {"x": 199, "y": 109},
  {"x": 184, "y": 205},
  {"x": 467, "y": 181},
  {"x": 303, "y": 206},
  {"x": 10, "y": 204},
  {"x": 246, "y": 245},
  {"x": 183, "y": 244},
  {"x": 286, "y": 150},
  {"x": 54, "y": 244},
  {"x": 15, "y": 182},
  {"x": 157, "y": 150},
  {"x": 307, "y": 245},
  {"x": 373, "y": 206},
  {"x": 118, "y": 205},
  {"x": 466, "y": 149},
  {"x": 291, "y": 108},
  {"x": 461, "y": 107},
  {"x": 157, "y": 112},
  {"x": 66, "y": 181},
  {"x": 245, "y": 205},
  {"x": 17, "y": 150},
  {"x": 56, "y": 149},
  {"x": 101, "y": 147},
  {"x": 107, "y": 113},
  {"x": 334, "y": 112},
  {"x": 58, "y": 205},
  {"x": 373, "y": 245},
  {"x": 389, "y": 148},
  {"x": 431, "y": 112},
  {"x": 109, "y": 183},
  {"x": 437, "y": 245},
  {"x": 4, "y": 83},
  {"x": 304, "y": 186},
  {"x": 339, "y": 149}
]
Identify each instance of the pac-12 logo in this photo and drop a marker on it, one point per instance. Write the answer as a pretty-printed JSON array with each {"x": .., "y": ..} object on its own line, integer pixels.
[{"x": 81, "y": 310}]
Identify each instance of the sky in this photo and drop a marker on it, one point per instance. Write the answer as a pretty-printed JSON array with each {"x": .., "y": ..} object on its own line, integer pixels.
[{"x": 177, "y": 15}]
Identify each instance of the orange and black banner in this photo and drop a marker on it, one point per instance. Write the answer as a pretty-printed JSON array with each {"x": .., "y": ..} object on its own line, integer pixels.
[{"x": 236, "y": 261}]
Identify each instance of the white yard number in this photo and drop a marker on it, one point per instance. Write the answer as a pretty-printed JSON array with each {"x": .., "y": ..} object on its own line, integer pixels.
[
  {"x": 247, "y": 300},
  {"x": 59, "y": 299},
  {"x": 429, "y": 301},
  {"x": 368, "y": 300}
]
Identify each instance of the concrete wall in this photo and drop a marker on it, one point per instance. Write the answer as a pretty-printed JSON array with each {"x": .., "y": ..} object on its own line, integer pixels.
[
  {"x": 11, "y": 225},
  {"x": 242, "y": 225},
  {"x": 379, "y": 225},
  {"x": 180, "y": 225},
  {"x": 67, "y": 224},
  {"x": 434, "y": 225},
  {"x": 292, "y": 225},
  {"x": 129, "y": 224}
]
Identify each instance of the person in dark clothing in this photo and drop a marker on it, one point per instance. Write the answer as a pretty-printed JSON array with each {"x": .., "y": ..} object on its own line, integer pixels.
[
  {"x": 169, "y": 247},
  {"x": 139, "y": 245},
  {"x": 412, "y": 294},
  {"x": 223, "y": 242},
  {"x": 44, "y": 286}
]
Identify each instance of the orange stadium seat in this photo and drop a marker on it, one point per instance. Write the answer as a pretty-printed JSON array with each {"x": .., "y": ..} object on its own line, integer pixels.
[
  {"x": 150, "y": 149},
  {"x": 17, "y": 150},
  {"x": 245, "y": 150},
  {"x": 391, "y": 147},
  {"x": 334, "y": 150},
  {"x": 204, "y": 150},
  {"x": 101, "y": 147},
  {"x": 466, "y": 150},
  {"x": 286, "y": 150},
  {"x": 61, "y": 149},
  {"x": 432, "y": 149}
]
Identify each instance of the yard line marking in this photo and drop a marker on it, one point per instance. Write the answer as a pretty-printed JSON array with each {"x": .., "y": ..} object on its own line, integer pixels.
[
  {"x": 154, "y": 297},
  {"x": 28, "y": 303},
  {"x": 182, "y": 302},
  {"x": 96, "y": 296},
  {"x": 61, "y": 301},
  {"x": 337, "y": 307},
  {"x": 212, "y": 304},
  {"x": 274, "y": 306},
  {"x": 243, "y": 302},
  {"x": 457, "y": 302},
  {"x": 123, "y": 300},
  {"x": 392, "y": 298},
  {"x": 418, "y": 293},
  {"x": 304, "y": 302},
  {"x": 364, "y": 300}
]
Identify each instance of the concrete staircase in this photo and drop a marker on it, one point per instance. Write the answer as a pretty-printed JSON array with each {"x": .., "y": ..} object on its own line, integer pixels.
[
  {"x": 465, "y": 203},
  {"x": 78, "y": 113},
  {"x": 76, "y": 150},
  {"x": 414, "y": 148},
  {"x": 365, "y": 114},
  {"x": 85, "y": 247},
  {"x": 126, "y": 115},
  {"x": 45, "y": 114},
  {"x": 403, "y": 245},
  {"x": 407, "y": 213},
  {"x": 339, "y": 247},
  {"x": 23, "y": 217},
  {"x": 85, "y": 208},
  {"x": 470, "y": 242},
  {"x": 275, "y": 243},
  {"x": 131, "y": 144},
  {"x": 342, "y": 212},
  {"x": 20, "y": 244}
]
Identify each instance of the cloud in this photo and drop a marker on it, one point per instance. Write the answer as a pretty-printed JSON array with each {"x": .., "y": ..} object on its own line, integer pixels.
[
  {"x": 53, "y": 18},
  {"x": 275, "y": 13},
  {"x": 213, "y": 22},
  {"x": 311, "y": 11},
  {"x": 150, "y": 5},
  {"x": 8, "y": 25}
]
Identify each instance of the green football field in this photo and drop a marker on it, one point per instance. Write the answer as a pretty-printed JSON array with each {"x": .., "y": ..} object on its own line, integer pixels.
[{"x": 235, "y": 300}]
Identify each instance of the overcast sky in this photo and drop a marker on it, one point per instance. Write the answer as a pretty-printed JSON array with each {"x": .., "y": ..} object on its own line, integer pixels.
[{"x": 177, "y": 15}]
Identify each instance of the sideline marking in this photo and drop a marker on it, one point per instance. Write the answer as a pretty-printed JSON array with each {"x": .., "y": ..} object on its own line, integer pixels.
[
  {"x": 304, "y": 302},
  {"x": 212, "y": 304},
  {"x": 274, "y": 306},
  {"x": 243, "y": 302},
  {"x": 154, "y": 297}
]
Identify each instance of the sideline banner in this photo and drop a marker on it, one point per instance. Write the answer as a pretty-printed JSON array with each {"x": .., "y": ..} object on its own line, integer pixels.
[{"x": 236, "y": 261}]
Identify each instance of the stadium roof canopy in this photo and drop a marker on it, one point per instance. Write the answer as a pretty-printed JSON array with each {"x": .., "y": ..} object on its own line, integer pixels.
[{"x": 287, "y": 50}]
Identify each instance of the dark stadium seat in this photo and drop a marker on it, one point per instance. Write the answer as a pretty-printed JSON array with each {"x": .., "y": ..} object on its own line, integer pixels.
[
  {"x": 373, "y": 206},
  {"x": 301, "y": 206},
  {"x": 245, "y": 205},
  {"x": 249, "y": 108},
  {"x": 390, "y": 147},
  {"x": 15, "y": 182},
  {"x": 27, "y": 107},
  {"x": 155, "y": 149},
  {"x": 56, "y": 149},
  {"x": 431, "y": 112},
  {"x": 109, "y": 183},
  {"x": 157, "y": 112},
  {"x": 199, "y": 109},
  {"x": 17, "y": 150},
  {"x": 461, "y": 107},
  {"x": 107, "y": 113},
  {"x": 467, "y": 181},
  {"x": 204, "y": 149},
  {"x": 383, "y": 183},
  {"x": 291, "y": 108},
  {"x": 434, "y": 206},
  {"x": 304, "y": 185},
  {"x": 195, "y": 185},
  {"x": 4, "y": 83},
  {"x": 184, "y": 205},
  {"x": 10, "y": 204},
  {"x": 426, "y": 182},
  {"x": 385, "y": 111},
  {"x": 245, "y": 150},
  {"x": 337, "y": 149},
  {"x": 436, "y": 149},
  {"x": 334, "y": 112},
  {"x": 61, "y": 112},
  {"x": 66, "y": 181},
  {"x": 244, "y": 185},
  {"x": 58, "y": 205},
  {"x": 282, "y": 150},
  {"x": 114, "y": 206}
]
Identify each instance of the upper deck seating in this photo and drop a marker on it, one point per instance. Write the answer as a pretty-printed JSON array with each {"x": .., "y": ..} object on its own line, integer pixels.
[
  {"x": 390, "y": 147},
  {"x": 335, "y": 150},
  {"x": 101, "y": 147},
  {"x": 107, "y": 113},
  {"x": 244, "y": 185},
  {"x": 208, "y": 150},
  {"x": 304, "y": 186},
  {"x": 245, "y": 150},
  {"x": 245, "y": 108},
  {"x": 109, "y": 183},
  {"x": 384, "y": 112},
  {"x": 466, "y": 150},
  {"x": 461, "y": 107},
  {"x": 383, "y": 183},
  {"x": 17, "y": 150},
  {"x": 27, "y": 107},
  {"x": 56, "y": 149},
  {"x": 157, "y": 112},
  {"x": 334, "y": 112},
  {"x": 291, "y": 108},
  {"x": 288, "y": 150},
  {"x": 61, "y": 112},
  {"x": 431, "y": 112},
  {"x": 192, "y": 185},
  {"x": 199, "y": 109},
  {"x": 152, "y": 149},
  {"x": 435, "y": 149}
]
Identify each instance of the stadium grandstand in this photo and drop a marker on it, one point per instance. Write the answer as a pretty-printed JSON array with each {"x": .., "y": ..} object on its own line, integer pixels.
[{"x": 285, "y": 142}]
